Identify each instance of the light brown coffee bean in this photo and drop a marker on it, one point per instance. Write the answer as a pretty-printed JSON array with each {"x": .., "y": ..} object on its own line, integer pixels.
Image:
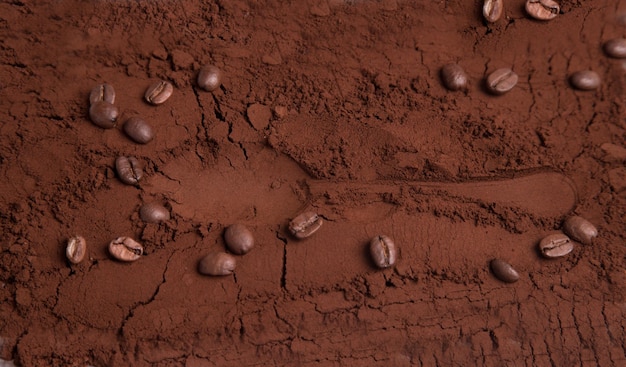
[
  {"x": 103, "y": 114},
  {"x": 501, "y": 81},
  {"x": 542, "y": 9},
  {"x": 555, "y": 245},
  {"x": 238, "y": 239},
  {"x": 615, "y": 48},
  {"x": 504, "y": 271},
  {"x": 492, "y": 10},
  {"x": 125, "y": 249},
  {"x": 76, "y": 249},
  {"x": 580, "y": 229},
  {"x": 305, "y": 224},
  {"x": 383, "y": 251},
  {"x": 154, "y": 213},
  {"x": 129, "y": 170},
  {"x": 217, "y": 263},
  {"x": 159, "y": 92},
  {"x": 102, "y": 92},
  {"x": 210, "y": 78},
  {"x": 139, "y": 130},
  {"x": 454, "y": 77},
  {"x": 585, "y": 80}
]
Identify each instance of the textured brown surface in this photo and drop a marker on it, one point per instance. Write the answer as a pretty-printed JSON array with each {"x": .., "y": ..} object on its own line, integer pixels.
[{"x": 326, "y": 105}]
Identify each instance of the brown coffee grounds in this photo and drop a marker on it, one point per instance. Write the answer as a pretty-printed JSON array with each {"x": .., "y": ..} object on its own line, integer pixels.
[{"x": 331, "y": 106}]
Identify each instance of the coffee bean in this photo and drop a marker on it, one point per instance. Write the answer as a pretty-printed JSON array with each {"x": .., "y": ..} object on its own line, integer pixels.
[
  {"x": 238, "y": 239},
  {"x": 492, "y": 10},
  {"x": 585, "y": 80},
  {"x": 383, "y": 251},
  {"x": 616, "y": 48},
  {"x": 504, "y": 271},
  {"x": 103, "y": 114},
  {"x": 128, "y": 170},
  {"x": 305, "y": 224},
  {"x": 454, "y": 77},
  {"x": 501, "y": 81},
  {"x": 102, "y": 92},
  {"x": 542, "y": 9},
  {"x": 76, "y": 249},
  {"x": 139, "y": 130},
  {"x": 210, "y": 78},
  {"x": 555, "y": 245},
  {"x": 217, "y": 263},
  {"x": 159, "y": 92},
  {"x": 125, "y": 249},
  {"x": 580, "y": 229},
  {"x": 154, "y": 213}
]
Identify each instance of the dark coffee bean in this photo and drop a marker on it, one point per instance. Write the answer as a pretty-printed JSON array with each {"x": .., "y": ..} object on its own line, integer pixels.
[
  {"x": 238, "y": 239},
  {"x": 154, "y": 213},
  {"x": 129, "y": 170},
  {"x": 585, "y": 80},
  {"x": 580, "y": 229},
  {"x": 102, "y": 92},
  {"x": 504, "y": 271},
  {"x": 383, "y": 251},
  {"x": 453, "y": 77},
  {"x": 217, "y": 263},
  {"x": 305, "y": 224},
  {"x": 139, "y": 130},
  {"x": 210, "y": 78},
  {"x": 555, "y": 245},
  {"x": 542, "y": 9},
  {"x": 492, "y": 10},
  {"x": 159, "y": 92},
  {"x": 125, "y": 249},
  {"x": 501, "y": 81},
  {"x": 103, "y": 114},
  {"x": 76, "y": 249},
  {"x": 616, "y": 48}
]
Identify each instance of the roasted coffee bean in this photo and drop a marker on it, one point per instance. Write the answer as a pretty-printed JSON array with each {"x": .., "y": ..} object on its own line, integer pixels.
[
  {"x": 501, "y": 81},
  {"x": 102, "y": 92},
  {"x": 585, "y": 80},
  {"x": 580, "y": 229},
  {"x": 217, "y": 263},
  {"x": 210, "y": 78},
  {"x": 616, "y": 48},
  {"x": 154, "y": 213},
  {"x": 103, "y": 114},
  {"x": 76, "y": 249},
  {"x": 129, "y": 170},
  {"x": 555, "y": 245},
  {"x": 492, "y": 10},
  {"x": 125, "y": 249},
  {"x": 139, "y": 130},
  {"x": 383, "y": 251},
  {"x": 542, "y": 9},
  {"x": 504, "y": 271},
  {"x": 305, "y": 224},
  {"x": 159, "y": 92},
  {"x": 238, "y": 239},
  {"x": 454, "y": 77}
]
